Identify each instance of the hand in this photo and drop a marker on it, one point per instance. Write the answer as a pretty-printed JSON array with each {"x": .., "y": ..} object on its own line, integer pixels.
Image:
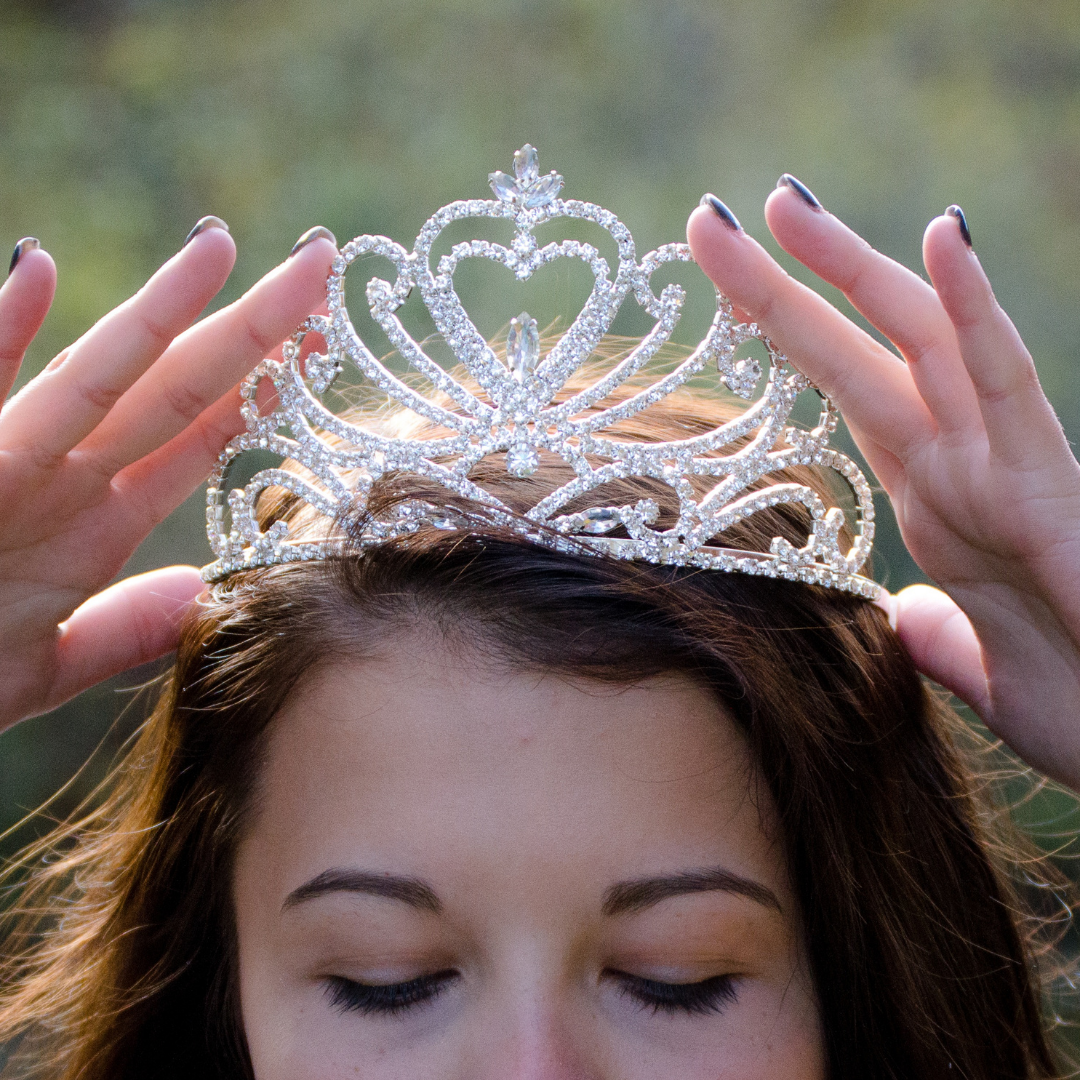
[
  {"x": 959, "y": 433},
  {"x": 114, "y": 434}
]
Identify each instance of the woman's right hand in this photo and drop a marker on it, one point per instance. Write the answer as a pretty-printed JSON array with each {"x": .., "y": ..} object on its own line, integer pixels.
[{"x": 111, "y": 437}]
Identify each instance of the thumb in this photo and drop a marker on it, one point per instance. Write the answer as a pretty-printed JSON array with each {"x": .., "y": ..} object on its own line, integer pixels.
[
  {"x": 942, "y": 642},
  {"x": 129, "y": 623}
]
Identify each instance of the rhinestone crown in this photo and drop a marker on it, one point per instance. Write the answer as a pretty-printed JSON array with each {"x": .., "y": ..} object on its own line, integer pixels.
[{"x": 516, "y": 412}]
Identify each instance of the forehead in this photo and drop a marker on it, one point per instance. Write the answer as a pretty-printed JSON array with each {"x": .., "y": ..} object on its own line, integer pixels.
[{"x": 435, "y": 762}]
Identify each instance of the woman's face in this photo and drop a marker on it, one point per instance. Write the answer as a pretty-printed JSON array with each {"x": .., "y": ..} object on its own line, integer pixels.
[{"x": 454, "y": 873}]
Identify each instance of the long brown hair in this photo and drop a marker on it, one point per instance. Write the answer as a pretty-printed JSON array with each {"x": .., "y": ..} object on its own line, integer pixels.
[{"x": 119, "y": 959}]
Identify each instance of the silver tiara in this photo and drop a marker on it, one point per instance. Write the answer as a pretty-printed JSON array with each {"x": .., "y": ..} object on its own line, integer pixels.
[{"x": 514, "y": 410}]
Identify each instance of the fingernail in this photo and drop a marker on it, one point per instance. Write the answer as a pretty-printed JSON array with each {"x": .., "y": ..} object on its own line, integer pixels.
[
  {"x": 800, "y": 189},
  {"x": 722, "y": 212},
  {"x": 965, "y": 232},
  {"x": 318, "y": 233},
  {"x": 27, "y": 243},
  {"x": 208, "y": 222}
]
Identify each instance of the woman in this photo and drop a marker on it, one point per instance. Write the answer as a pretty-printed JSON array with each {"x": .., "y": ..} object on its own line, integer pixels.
[{"x": 453, "y": 852}]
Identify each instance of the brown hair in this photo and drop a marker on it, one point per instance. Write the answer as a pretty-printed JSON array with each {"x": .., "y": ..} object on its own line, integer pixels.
[{"x": 119, "y": 951}]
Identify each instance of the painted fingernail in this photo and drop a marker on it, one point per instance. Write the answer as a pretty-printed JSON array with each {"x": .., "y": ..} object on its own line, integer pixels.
[
  {"x": 27, "y": 243},
  {"x": 721, "y": 211},
  {"x": 965, "y": 232},
  {"x": 318, "y": 233},
  {"x": 208, "y": 222},
  {"x": 800, "y": 189}
]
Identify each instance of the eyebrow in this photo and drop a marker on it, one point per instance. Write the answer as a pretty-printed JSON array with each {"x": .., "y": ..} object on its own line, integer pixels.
[
  {"x": 631, "y": 896},
  {"x": 412, "y": 891},
  {"x": 623, "y": 898}
]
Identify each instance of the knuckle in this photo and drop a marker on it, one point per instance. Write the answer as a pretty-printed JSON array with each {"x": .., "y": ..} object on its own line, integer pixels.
[
  {"x": 842, "y": 384},
  {"x": 103, "y": 465},
  {"x": 159, "y": 335},
  {"x": 995, "y": 394},
  {"x": 43, "y": 459},
  {"x": 921, "y": 350},
  {"x": 23, "y": 465},
  {"x": 57, "y": 361},
  {"x": 1022, "y": 381},
  {"x": 259, "y": 336},
  {"x": 101, "y": 396},
  {"x": 11, "y": 354},
  {"x": 968, "y": 318},
  {"x": 850, "y": 276},
  {"x": 184, "y": 400},
  {"x": 765, "y": 308},
  {"x": 214, "y": 433}
]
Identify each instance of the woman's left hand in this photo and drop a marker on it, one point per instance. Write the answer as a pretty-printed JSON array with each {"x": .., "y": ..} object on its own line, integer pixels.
[{"x": 959, "y": 432}]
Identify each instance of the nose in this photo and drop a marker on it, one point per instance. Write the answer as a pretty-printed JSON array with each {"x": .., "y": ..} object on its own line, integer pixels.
[{"x": 532, "y": 1041}]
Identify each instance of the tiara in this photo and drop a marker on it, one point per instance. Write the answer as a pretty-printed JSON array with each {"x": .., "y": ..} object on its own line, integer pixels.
[{"x": 512, "y": 407}]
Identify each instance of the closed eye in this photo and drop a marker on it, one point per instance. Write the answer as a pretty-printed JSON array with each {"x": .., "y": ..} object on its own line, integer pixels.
[
  {"x": 694, "y": 998},
  {"x": 386, "y": 999}
]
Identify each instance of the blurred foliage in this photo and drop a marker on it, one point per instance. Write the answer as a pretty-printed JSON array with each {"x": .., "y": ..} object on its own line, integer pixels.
[{"x": 121, "y": 123}]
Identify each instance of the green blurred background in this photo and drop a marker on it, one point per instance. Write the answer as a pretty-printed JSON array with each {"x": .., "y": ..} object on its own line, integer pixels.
[{"x": 122, "y": 123}]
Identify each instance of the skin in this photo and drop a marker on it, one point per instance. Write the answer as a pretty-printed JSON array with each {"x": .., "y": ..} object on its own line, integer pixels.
[
  {"x": 957, "y": 429},
  {"x": 567, "y": 792},
  {"x": 111, "y": 437},
  {"x": 126, "y": 423},
  {"x": 422, "y": 813}
]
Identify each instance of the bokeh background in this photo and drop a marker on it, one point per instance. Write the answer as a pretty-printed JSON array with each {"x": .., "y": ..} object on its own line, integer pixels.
[{"x": 121, "y": 123}]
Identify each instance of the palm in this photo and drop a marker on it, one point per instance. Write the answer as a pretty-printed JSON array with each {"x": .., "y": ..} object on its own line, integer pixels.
[
  {"x": 59, "y": 548},
  {"x": 985, "y": 489},
  {"x": 101, "y": 446},
  {"x": 964, "y": 516}
]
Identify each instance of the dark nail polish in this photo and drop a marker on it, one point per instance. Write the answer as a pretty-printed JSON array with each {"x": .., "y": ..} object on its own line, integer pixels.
[
  {"x": 317, "y": 233},
  {"x": 721, "y": 211},
  {"x": 800, "y": 189},
  {"x": 27, "y": 243},
  {"x": 208, "y": 222},
  {"x": 965, "y": 232}
]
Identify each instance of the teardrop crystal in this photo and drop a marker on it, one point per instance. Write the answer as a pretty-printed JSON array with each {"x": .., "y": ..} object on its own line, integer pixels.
[
  {"x": 599, "y": 520},
  {"x": 523, "y": 346},
  {"x": 505, "y": 186},
  {"x": 543, "y": 191},
  {"x": 527, "y": 164}
]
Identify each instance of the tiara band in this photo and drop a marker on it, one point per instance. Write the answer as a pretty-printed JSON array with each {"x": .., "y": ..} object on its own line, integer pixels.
[{"x": 517, "y": 413}]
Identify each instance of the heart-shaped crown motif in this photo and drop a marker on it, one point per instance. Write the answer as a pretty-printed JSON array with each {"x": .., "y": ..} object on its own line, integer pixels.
[{"x": 513, "y": 407}]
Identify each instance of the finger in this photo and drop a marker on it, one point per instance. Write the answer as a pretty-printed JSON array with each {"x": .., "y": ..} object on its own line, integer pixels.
[
  {"x": 163, "y": 479},
  {"x": 896, "y": 301},
  {"x": 25, "y": 299},
  {"x": 68, "y": 400},
  {"x": 1020, "y": 424},
  {"x": 134, "y": 621},
  {"x": 870, "y": 385},
  {"x": 942, "y": 642},
  {"x": 203, "y": 364}
]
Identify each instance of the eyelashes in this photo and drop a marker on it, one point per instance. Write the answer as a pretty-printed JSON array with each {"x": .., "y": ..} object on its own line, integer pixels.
[
  {"x": 390, "y": 999},
  {"x": 386, "y": 999},
  {"x": 695, "y": 999}
]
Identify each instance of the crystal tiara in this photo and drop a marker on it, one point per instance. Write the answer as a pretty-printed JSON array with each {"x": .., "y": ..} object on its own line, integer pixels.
[{"x": 514, "y": 410}]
